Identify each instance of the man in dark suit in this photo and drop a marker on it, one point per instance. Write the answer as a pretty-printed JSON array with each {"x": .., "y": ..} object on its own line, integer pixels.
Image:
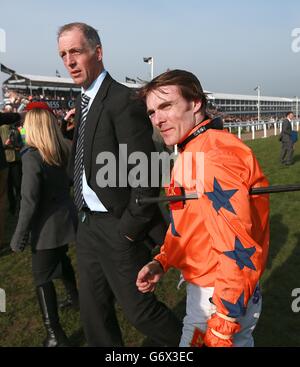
[
  {"x": 287, "y": 145},
  {"x": 113, "y": 229}
]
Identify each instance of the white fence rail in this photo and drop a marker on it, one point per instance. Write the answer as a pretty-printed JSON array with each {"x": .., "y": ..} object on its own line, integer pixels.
[{"x": 254, "y": 127}]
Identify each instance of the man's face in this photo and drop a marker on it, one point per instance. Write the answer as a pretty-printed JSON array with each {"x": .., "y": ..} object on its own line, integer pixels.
[
  {"x": 171, "y": 114},
  {"x": 291, "y": 116},
  {"x": 83, "y": 63}
]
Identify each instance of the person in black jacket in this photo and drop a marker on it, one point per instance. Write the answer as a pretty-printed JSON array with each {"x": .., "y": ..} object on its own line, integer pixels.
[
  {"x": 287, "y": 145},
  {"x": 47, "y": 214},
  {"x": 6, "y": 118}
]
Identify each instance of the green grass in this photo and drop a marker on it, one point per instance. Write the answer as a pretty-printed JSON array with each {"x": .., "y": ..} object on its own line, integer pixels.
[
  {"x": 21, "y": 325},
  {"x": 279, "y": 325}
]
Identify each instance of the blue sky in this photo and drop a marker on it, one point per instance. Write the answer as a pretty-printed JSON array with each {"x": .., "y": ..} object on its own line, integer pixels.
[{"x": 230, "y": 45}]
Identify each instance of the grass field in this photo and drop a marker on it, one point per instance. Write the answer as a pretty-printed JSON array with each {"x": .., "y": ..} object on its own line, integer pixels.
[{"x": 21, "y": 325}]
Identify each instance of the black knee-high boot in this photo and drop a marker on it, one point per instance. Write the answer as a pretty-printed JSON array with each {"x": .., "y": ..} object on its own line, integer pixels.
[{"x": 48, "y": 303}]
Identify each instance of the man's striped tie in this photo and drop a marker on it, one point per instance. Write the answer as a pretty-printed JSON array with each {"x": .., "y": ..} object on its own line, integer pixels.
[{"x": 78, "y": 166}]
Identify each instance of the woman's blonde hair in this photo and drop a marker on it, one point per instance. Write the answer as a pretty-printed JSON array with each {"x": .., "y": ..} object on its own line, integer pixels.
[{"x": 43, "y": 133}]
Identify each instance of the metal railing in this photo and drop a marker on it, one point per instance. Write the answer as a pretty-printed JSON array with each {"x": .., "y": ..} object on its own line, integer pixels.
[{"x": 254, "y": 127}]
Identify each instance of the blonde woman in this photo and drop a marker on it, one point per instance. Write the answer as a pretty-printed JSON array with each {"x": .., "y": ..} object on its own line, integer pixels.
[{"x": 47, "y": 213}]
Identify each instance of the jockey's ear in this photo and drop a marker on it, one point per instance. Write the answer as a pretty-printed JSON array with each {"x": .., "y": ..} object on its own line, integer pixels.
[{"x": 197, "y": 104}]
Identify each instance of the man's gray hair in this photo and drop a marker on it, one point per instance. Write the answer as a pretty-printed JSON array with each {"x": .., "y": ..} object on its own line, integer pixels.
[{"x": 90, "y": 33}]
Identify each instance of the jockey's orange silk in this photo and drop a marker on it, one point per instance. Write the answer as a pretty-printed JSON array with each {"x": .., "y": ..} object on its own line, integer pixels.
[{"x": 220, "y": 240}]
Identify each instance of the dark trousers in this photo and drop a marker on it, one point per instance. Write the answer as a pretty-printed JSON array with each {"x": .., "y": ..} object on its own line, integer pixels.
[
  {"x": 287, "y": 151},
  {"x": 51, "y": 264},
  {"x": 14, "y": 184},
  {"x": 108, "y": 266}
]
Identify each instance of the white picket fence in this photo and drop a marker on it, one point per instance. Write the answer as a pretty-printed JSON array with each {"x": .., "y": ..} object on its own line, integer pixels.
[{"x": 255, "y": 127}]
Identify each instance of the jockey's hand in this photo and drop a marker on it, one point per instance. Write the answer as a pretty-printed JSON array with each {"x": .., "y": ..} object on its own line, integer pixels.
[{"x": 149, "y": 276}]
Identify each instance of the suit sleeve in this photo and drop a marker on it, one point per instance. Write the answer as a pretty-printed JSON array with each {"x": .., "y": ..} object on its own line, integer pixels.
[
  {"x": 134, "y": 129},
  {"x": 30, "y": 195},
  {"x": 238, "y": 226}
]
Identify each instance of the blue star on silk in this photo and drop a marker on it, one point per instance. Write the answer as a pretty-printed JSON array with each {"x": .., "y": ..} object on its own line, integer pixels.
[
  {"x": 173, "y": 229},
  {"x": 220, "y": 198},
  {"x": 242, "y": 255},
  {"x": 235, "y": 309}
]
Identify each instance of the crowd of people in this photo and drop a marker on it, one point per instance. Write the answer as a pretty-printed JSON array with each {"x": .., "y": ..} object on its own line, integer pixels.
[
  {"x": 219, "y": 242},
  {"x": 16, "y": 101},
  {"x": 12, "y": 139}
]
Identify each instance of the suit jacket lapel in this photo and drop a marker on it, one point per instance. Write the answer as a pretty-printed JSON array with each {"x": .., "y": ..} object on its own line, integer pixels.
[{"x": 92, "y": 121}]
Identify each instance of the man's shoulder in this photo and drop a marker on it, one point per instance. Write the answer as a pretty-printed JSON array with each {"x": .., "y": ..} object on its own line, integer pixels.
[
  {"x": 120, "y": 97},
  {"x": 222, "y": 144},
  {"x": 119, "y": 89}
]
